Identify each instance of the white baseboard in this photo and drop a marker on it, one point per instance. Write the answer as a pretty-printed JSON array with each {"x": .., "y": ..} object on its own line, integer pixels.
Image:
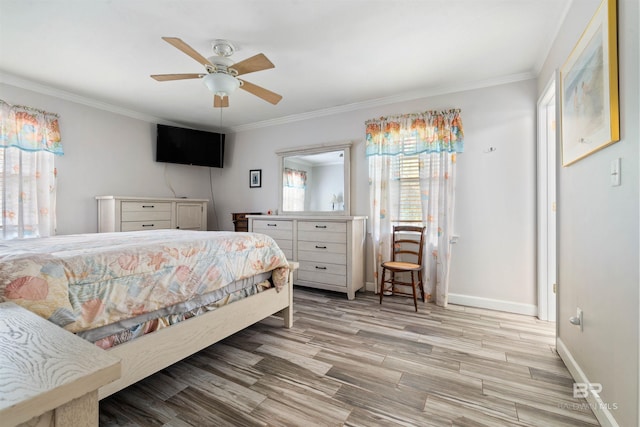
[
  {"x": 479, "y": 302},
  {"x": 370, "y": 286},
  {"x": 494, "y": 304},
  {"x": 598, "y": 406}
]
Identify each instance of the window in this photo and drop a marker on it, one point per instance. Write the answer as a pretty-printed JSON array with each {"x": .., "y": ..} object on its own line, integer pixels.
[
  {"x": 407, "y": 171},
  {"x": 294, "y": 186},
  {"x": 29, "y": 141},
  {"x": 27, "y": 194}
]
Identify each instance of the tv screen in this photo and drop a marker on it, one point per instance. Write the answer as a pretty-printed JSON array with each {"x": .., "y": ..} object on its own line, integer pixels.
[{"x": 189, "y": 146}]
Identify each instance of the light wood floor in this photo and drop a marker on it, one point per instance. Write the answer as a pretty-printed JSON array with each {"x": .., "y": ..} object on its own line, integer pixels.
[{"x": 358, "y": 363}]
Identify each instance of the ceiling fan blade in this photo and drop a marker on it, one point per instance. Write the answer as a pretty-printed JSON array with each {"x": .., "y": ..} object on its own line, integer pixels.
[
  {"x": 177, "y": 43},
  {"x": 167, "y": 77},
  {"x": 220, "y": 102},
  {"x": 255, "y": 63},
  {"x": 261, "y": 92}
]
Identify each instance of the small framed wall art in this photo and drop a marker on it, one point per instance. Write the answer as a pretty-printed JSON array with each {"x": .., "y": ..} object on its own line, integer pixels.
[
  {"x": 589, "y": 88},
  {"x": 255, "y": 178}
]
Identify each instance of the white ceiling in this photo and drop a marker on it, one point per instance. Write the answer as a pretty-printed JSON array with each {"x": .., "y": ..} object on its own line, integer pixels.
[{"x": 329, "y": 55}]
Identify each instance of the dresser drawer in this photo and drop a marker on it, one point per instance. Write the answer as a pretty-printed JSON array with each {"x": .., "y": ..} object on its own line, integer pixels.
[
  {"x": 259, "y": 225},
  {"x": 280, "y": 231},
  {"x": 322, "y": 231},
  {"x": 323, "y": 247},
  {"x": 135, "y": 206},
  {"x": 144, "y": 211},
  {"x": 321, "y": 236},
  {"x": 276, "y": 229},
  {"x": 334, "y": 253},
  {"x": 322, "y": 226},
  {"x": 144, "y": 225},
  {"x": 336, "y": 259},
  {"x": 286, "y": 246},
  {"x": 323, "y": 273}
]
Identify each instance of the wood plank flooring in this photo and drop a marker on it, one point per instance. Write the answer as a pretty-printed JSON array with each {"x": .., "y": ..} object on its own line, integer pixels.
[{"x": 359, "y": 363}]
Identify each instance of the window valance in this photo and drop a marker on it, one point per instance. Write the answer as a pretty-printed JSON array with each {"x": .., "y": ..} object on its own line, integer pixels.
[
  {"x": 29, "y": 129},
  {"x": 294, "y": 178},
  {"x": 428, "y": 132}
]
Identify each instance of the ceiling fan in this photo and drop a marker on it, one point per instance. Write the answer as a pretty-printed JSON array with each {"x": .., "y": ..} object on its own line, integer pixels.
[{"x": 222, "y": 74}]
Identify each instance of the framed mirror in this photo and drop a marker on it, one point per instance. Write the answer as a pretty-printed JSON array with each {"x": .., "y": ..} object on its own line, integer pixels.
[{"x": 315, "y": 180}]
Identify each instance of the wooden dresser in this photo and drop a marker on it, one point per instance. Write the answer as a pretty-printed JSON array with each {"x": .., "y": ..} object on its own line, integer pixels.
[
  {"x": 330, "y": 249},
  {"x": 117, "y": 213},
  {"x": 240, "y": 221}
]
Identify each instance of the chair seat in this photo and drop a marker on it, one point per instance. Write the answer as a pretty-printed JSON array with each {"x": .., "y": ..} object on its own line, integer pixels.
[{"x": 398, "y": 266}]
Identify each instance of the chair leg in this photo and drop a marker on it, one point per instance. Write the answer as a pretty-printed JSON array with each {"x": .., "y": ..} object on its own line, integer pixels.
[
  {"x": 393, "y": 283},
  {"x": 382, "y": 284},
  {"x": 421, "y": 283},
  {"x": 413, "y": 287}
]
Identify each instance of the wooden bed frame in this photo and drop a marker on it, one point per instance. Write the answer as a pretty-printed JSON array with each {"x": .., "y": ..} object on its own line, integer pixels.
[
  {"x": 67, "y": 375},
  {"x": 151, "y": 353}
]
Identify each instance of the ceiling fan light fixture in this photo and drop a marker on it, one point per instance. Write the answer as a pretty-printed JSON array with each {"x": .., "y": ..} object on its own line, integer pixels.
[{"x": 221, "y": 84}]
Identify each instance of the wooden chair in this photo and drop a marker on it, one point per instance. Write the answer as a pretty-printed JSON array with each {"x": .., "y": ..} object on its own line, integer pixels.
[{"x": 406, "y": 257}]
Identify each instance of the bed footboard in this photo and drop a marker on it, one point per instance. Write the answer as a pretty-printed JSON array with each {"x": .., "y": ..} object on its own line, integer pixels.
[
  {"x": 48, "y": 376},
  {"x": 151, "y": 353}
]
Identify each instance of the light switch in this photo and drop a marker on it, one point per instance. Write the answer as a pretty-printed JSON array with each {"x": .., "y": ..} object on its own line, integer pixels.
[{"x": 615, "y": 172}]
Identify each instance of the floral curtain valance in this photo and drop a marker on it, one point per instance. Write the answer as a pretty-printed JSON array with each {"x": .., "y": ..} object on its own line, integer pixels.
[
  {"x": 29, "y": 129},
  {"x": 294, "y": 178},
  {"x": 429, "y": 132}
]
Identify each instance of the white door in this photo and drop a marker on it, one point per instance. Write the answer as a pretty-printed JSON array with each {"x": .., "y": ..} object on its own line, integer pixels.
[{"x": 546, "y": 197}]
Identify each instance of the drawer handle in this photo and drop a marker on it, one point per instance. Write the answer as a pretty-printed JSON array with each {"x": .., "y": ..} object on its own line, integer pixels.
[
  {"x": 321, "y": 268},
  {"x": 321, "y": 226},
  {"x": 148, "y": 206},
  {"x": 321, "y": 247},
  {"x": 272, "y": 225},
  {"x": 148, "y": 225}
]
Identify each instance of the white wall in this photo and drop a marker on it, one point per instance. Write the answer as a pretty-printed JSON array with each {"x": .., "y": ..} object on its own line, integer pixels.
[
  {"x": 495, "y": 207},
  {"x": 107, "y": 153},
  {"x": 327, "y": 182},
  {"x": 494, "y": 261},
  {"x": 598, "y": 234}
]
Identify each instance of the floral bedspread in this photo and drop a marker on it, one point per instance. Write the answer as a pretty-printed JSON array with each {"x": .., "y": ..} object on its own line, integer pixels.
[{"x": 85, "y": 281}]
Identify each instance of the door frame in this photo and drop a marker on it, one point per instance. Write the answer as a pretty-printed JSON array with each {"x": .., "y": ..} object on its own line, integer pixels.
[{"x": 547, "y": 118}]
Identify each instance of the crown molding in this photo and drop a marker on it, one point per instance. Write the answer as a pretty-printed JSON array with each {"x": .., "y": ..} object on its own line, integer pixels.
[
  {"x": 404, "y": 97},
  {"x": 13, "y": 80},
  {"x": 409, "y": 96}
]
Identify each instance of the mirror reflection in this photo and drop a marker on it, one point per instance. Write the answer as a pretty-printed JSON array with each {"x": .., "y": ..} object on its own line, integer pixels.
[{"x": 314, "y": 182}]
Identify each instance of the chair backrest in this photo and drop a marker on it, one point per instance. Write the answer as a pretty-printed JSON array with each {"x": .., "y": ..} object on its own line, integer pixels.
[{"x": 408, "y": 240}]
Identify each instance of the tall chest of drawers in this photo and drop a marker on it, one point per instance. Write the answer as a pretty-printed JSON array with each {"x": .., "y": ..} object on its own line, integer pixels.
[
  {"x": 117, "y": 213},
  {"x": 330, "y": 249}
]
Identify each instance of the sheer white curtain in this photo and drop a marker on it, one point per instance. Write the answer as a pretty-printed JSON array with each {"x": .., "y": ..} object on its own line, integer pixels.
[
  {"x": 29, "y": 141},
  {"x": 294, "y": 189},
  {"x": 430, "y": 140}
]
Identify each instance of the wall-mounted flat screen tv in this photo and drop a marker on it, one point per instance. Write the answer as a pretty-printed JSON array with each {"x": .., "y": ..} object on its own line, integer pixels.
[{"x": 189, "y": 146}]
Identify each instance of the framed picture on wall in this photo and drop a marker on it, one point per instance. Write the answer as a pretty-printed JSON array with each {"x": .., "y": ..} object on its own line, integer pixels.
[
  {"x": 589, "y": 88},
  {"x": 255, "y": 178}
]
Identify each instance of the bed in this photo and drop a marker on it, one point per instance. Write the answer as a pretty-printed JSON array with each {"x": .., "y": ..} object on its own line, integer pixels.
[{"x": 151, "y": 297}]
